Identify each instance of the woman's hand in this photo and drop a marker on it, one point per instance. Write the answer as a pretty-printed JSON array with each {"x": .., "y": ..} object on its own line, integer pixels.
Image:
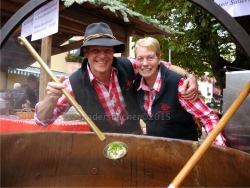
[{"x": 190, "y": 87}]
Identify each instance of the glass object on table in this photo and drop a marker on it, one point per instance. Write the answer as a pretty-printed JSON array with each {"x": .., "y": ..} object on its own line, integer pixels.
[
  {"x": 219, "y": 108},
  {"x": 212, "y": 106}
]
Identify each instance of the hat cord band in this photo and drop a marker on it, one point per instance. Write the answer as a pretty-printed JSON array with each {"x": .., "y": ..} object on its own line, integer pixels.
[{"x": 99, "y": 35}]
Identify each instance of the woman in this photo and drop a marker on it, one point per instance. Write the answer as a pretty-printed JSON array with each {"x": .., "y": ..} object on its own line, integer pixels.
[
  {"x": 17, "y": 94},
  {"x": 167, "y": 114}
]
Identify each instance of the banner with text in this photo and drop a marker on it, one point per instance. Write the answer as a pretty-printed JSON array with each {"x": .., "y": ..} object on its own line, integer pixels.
[
  {"x": 43, "y": 22},
  {"x": 235, "y": 8}
]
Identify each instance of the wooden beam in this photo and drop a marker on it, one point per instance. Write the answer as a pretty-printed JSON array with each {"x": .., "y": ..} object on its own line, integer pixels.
[
  {"x": 5, "y": 14},
  {"x": 126, "y": 41},
  {"x": 73, "y": 16},
  {"x": 46, "y": 57},
  {"x": 74, "y": 26},
  {"x": 17, "y": 31},
  {"x": 67, "y": 47},
  {"x": 62, "y": 36},
  {"x": 12, "y": 7},
  {"x": 138, "y": 34},
  {"x": 130, "y": 29}
]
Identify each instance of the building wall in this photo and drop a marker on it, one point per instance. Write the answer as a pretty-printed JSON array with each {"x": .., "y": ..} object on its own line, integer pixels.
[
  {"x": 131, "y": 51},
  {"x": 13, "y": 78},
  {"x": 58, "y": 63},
  {"x": 2, "y": 80},
  {"x": 205, "y": 87}
]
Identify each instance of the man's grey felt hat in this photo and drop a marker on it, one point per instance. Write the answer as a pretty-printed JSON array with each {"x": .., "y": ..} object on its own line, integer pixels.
[{"x": 100, "y": 34}]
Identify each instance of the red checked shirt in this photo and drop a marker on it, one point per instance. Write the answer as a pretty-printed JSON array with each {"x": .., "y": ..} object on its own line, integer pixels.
[
  {"x": 109, "y": 96},
  {"x": 198, "y": 108},
  {"x": 149, "y": 94}
]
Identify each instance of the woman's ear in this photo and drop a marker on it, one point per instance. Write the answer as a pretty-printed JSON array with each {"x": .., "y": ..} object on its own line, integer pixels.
[{"x": 159, "y": 60}]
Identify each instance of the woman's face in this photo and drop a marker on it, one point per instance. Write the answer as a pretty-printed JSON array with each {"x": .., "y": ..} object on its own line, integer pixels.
[{"x": 147, "y": 63}]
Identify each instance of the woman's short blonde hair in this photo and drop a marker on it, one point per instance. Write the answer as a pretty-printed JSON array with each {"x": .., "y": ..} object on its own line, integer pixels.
[{"x": 151, "y": 44}]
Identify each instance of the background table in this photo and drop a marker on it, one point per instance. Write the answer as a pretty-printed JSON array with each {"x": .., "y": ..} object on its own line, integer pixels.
[{"x": 13, "y": 123}]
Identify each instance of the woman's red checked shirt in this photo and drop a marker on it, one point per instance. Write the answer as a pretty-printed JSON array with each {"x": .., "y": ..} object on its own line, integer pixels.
[{"x": 198, "y": 108}]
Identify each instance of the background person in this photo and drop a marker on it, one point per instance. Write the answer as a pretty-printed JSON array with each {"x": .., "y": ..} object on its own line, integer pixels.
[
  {"x": 158, "y": 92},
  {"x": 16, "y": 93},
  {"x": 103, "y": 86},
  {"x": 31, "y": 93}
]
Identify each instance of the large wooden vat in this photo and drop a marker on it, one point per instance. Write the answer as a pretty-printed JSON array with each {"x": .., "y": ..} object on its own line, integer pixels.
[{"x": 74, "y": 159}]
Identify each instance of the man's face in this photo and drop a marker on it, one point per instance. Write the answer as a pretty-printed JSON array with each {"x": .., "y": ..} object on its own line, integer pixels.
[
  {"x": 32, "y": 85},
  {"x": 100, "y": 59}
]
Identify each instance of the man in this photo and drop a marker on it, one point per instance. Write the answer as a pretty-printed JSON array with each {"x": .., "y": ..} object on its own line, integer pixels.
[
  {"x": 103, "y": 86},
  {"x": 31, "y": 93}
]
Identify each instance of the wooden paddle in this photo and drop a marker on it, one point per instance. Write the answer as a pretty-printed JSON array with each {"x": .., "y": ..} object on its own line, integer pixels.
[{"x": 210, "y": 138}]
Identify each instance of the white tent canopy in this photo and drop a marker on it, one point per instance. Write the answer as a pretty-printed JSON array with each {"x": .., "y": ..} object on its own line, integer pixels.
[{"x": 35, "y": 71}]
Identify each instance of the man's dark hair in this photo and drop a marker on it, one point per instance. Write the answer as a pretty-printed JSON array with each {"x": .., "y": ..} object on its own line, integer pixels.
[{"x": 32, "y": 78}]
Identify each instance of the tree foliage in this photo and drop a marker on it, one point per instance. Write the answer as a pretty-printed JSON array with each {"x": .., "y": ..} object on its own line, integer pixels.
[
  {"x": 205, "y": 44},
  {"x": 118, "y": 6}
]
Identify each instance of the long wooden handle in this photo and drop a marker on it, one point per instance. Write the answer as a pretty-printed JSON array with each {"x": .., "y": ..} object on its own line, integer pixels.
[
  {"x": 23, "y": 41},
  {"x": 210, "y": 138}
]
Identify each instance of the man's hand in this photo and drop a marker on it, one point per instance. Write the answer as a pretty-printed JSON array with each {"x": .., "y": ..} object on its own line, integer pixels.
[
  {"x": 190, "y": 87},
  {"x": 54, "y": 90},
  {"x": 45, "y": 108}
]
